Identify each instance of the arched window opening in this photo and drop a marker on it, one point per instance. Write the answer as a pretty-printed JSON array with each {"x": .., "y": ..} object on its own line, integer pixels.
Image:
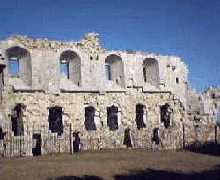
[
  {"x": 112, "y": 118},
  {"x": 151, "y": 71},
  {"x": 165, "y": 115},
  {"x": 114, "y": 69},
  {"x": 140, "y": 116},
  {"x": 90, "y": 119},
  {"x": 70, "y": 66},
  {"x": 19, "y": 63},
  {"x": 55, "y": 120},
  {"x": 17, "y": 121}
]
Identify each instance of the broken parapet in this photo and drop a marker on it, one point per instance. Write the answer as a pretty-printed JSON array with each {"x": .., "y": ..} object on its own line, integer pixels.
[{"x": 91, "y": 45}]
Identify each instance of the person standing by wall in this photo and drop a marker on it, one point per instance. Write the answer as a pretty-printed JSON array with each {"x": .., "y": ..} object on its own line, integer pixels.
[{"x": 76, "y": 142}]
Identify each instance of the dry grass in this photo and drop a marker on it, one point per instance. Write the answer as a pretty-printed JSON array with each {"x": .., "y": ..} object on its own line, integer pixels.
[{"x": 114, "y": 164}]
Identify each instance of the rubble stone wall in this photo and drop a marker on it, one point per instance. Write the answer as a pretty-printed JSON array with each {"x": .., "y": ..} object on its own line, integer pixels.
[
  {"x": 43, "y": 86},
  {"x": 36, "y": 111}
]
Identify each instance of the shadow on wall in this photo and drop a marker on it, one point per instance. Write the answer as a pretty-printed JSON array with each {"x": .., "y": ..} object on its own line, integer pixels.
[
  {"x": 151, "y": 174},
  {"x": 209, "y": 148}
]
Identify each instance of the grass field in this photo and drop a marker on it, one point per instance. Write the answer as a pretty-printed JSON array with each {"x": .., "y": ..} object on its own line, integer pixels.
[{"x": 113, "y": 164}]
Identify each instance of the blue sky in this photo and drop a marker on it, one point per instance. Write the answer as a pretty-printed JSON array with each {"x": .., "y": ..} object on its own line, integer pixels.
[{"x": 186, "y": 28}]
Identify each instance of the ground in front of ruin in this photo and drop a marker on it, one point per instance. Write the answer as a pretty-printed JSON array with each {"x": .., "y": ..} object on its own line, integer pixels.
[{"x": 113, "y": 164}]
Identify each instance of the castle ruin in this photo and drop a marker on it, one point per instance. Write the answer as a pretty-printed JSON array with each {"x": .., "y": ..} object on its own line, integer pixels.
[{"x": 50, "y": 89}]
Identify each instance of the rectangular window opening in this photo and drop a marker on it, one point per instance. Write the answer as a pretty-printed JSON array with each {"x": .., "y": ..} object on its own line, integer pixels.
[
  {"x": 112, "y": 118},
  {"x": 140, "y": 117},
  {"x": 55, "y": 120},
  {"x": 17, "y": 121},
  {"x": 90, "y": 118}
]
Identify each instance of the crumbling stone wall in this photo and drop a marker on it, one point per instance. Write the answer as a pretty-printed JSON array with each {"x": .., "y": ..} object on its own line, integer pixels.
[
  {"x": 35, "y": 118},
  {"x": 203, "y": 107},
  {"x": 199, "y": 133},
  {"x": 212, "y": 95},
  {"x": 46, "y": 87}
]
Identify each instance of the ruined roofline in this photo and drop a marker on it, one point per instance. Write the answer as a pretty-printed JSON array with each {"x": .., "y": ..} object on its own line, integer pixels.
[
  {"x": 212, "y": 88},
  {"x": 26, "y": 40},
  {"x": 18, "y": 37},
  {"x": 90, "y": 42},
  {"x": 193, "y": 90}
]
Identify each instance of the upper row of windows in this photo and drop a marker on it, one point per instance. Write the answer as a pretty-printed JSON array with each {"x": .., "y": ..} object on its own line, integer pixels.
[{"x": 19, "y": 59}]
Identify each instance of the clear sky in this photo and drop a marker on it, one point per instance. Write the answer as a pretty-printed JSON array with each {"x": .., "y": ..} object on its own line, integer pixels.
[{"x": 186, "y": 28}]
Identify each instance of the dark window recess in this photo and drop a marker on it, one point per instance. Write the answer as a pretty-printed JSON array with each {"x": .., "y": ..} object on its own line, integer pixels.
[
  {"x": 90, "y": 118},
  {"x": 13, "y": 64},
  {"x": 17, "y": 122},
  {"x": 177, "y": 80},
  {"x": 145, "y": 74},
  {"x": 156, "y": 137},
  {"x": 108, "y": 71},
  {"x": 213, "y": 96},
  {"x": 36, "y": 150},
  {"x": 1, "y": 82},
  {"x": 112, "y": 118},
  {"x": 196, "y": 118},
  {"x": 2, "y": 134},
  {"x": 218, "y": 118},
  {"x": 55, "y": 120},
  {"x": 140, "y": 116},
  {"x": 165, "y": 115},
  {"x": 64, "y": 68}
]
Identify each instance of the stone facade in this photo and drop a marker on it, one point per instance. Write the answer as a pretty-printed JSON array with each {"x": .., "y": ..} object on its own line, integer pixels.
[
  {"x": 203, "y": 116},
  {"x": 85, "y": 82},
  {"x": 205, "y": 106}
]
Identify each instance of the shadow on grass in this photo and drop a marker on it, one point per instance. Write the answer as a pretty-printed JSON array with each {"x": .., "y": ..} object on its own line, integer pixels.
[
  {"x": 85, "y": 177},
  {"x": 209, "y": 148},
  {"x": 151, "y": 174}
]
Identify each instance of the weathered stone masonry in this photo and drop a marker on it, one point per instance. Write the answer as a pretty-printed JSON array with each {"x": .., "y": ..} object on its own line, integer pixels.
[{"x": 63, "y": 87}]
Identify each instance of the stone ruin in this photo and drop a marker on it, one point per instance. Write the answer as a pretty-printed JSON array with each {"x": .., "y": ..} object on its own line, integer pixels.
[{"x": 114, "y": 99}]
